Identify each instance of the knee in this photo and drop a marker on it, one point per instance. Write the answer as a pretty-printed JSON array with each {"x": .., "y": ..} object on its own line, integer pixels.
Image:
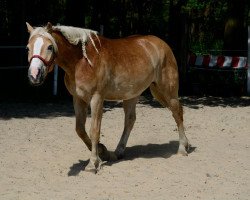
[
  {"x": 174, "y": 104},
  {"x": 176, "y": 109}
]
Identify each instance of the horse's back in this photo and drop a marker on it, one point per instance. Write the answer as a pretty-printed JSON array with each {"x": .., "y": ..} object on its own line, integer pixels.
[
  {"x": 132, "y": 63},
  {"x": 135, "y": 41},
  {"x": 148, "y": 48}
]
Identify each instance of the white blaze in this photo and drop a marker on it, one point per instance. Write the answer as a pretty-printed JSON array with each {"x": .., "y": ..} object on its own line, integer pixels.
[{"x": 36, "y": 63}]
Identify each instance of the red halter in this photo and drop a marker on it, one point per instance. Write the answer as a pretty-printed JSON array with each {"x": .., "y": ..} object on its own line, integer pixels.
[{"x": 45, "y": 62}]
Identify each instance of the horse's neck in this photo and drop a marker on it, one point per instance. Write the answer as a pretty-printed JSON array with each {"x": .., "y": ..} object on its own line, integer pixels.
[{"x": 68, "y": 54}]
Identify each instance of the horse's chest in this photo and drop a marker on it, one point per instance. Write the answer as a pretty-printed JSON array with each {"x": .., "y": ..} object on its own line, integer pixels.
[
  {"x": 78, "y": 87},
  {"x": 85, "y": 87},
  {"x": 69, "y": 84}
]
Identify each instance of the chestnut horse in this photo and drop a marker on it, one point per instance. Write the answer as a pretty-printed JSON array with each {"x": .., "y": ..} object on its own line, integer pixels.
[{"x": 98, "y": 69}]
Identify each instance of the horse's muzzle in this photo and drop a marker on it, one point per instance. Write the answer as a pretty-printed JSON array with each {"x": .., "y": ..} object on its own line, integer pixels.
[{"x": 36, "y": 77}]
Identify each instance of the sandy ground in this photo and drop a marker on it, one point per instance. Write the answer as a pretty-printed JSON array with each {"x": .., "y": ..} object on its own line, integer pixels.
[{"x": 43, "y": 158}]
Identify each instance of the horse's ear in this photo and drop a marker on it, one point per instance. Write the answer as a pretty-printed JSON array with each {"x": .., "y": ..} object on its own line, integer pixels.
[
  {"x": 29, "y": 27},
  {"x": 49, "y": 27}
]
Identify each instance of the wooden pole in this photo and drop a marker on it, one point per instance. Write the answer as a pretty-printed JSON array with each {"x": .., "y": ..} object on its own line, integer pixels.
[
  {"x": 55, "y": 82},
  {"x": 248, "y": 63}
]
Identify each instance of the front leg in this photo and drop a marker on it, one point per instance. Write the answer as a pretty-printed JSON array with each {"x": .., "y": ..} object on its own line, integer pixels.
[
  {"x": 96, "y": 118},
  {"x": 81, "y": 109},
  {"x": 130, "y": 117}
]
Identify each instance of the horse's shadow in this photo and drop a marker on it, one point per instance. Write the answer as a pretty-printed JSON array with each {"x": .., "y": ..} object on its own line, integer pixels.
[
  {"x": 76, "y": 168},
  {"x": 139, "y": 151}
]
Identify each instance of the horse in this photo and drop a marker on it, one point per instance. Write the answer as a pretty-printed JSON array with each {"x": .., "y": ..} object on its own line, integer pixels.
[{"x": 99, "y": 69}]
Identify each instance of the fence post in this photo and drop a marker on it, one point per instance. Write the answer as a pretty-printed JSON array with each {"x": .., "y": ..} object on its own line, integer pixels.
[
  {"x": 55, "y": 82},
  {"x": 248, "y": 63}
]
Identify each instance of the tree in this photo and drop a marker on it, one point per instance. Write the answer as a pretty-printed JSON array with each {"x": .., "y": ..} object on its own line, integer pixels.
[{"x": 235, "y": 32}]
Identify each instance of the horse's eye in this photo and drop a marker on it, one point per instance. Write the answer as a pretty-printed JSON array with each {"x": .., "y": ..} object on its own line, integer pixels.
[
  {"x": 50, "y": 47},
  {"x": 27, "y": 49}
]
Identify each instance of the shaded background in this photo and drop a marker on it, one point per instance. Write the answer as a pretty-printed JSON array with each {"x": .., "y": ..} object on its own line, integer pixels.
[{"x": 200, "y": 26}]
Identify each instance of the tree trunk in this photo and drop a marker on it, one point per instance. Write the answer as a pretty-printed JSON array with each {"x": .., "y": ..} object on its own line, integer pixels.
[{"x": 235, "y": 33}]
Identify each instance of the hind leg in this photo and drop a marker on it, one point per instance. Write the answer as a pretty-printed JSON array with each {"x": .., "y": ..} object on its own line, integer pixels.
[
  {"x": 130, "y": 117},
  {"x": 177, "y": 112},
  {"x": 170, "y": 100}
]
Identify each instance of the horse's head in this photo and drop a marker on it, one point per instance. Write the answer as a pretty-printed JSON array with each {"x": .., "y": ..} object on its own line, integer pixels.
[{"x": 42, "y": 51}]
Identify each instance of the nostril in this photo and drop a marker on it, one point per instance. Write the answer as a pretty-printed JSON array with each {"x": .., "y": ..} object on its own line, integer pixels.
[
  {"x": 38, "y": 73},
  {"x": 34, "y": 73}
]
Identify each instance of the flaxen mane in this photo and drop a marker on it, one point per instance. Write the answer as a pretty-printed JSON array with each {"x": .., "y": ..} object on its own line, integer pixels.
[
  {"x": 75, "y": 35},
  {"x": 43, "y": 32}
]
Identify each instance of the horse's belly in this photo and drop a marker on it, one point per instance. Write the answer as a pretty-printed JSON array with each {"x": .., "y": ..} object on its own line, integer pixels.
[
  {"x": 127, "y": 89},
  {"x": 122, "y": 95}
]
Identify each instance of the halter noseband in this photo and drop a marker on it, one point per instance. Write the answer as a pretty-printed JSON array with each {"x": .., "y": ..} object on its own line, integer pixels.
[{"x": 45, "y": 62}]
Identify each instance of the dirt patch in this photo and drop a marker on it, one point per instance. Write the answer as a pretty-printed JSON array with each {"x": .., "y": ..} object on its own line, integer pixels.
[{"x": 43, "y": 158}]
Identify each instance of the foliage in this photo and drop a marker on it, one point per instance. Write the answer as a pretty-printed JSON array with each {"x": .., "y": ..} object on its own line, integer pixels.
[
  {"x": 120, "y": 17},
  {"x": 207, "y": 19},
  {"x": 218, "y": 82},
  {"x": 197, "y": 25}
]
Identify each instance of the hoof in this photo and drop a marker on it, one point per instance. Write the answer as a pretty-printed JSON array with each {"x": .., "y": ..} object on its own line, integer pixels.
[
  {"x": 182, "y": 150},
  {"x": 103, "y": 152},
  {"x": 112, "y": 156},
  {"x": 94, "y": 167},
  {"x": 183, "y": 153},
  {"x": 188, "y": 146},
  {"x": 106, "y": 155},
  {"x": 91, "y": 170}
]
